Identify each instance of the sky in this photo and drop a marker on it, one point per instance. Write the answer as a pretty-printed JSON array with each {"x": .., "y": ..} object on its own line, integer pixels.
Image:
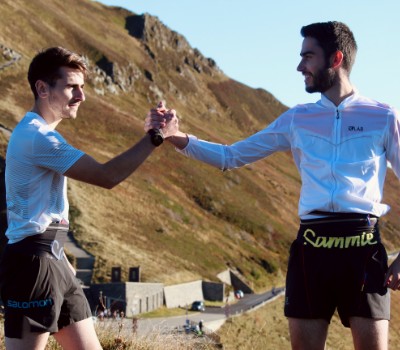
[{"x": 258, "y": 42}]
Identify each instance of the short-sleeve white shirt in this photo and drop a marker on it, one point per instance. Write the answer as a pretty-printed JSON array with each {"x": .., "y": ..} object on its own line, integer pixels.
[{"x": 36, "y": 189}]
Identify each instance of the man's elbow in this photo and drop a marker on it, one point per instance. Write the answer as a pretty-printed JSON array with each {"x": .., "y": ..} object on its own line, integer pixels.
[
  {"x": 100, "y": 179},
  {"x": 110, "y": 185},
  {"x": 107, "y": 181}
]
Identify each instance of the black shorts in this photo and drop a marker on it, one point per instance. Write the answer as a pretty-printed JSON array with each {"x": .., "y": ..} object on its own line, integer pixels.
[
  {"x": 39, "y": 289},
  {"x": 337, "y": 264}
]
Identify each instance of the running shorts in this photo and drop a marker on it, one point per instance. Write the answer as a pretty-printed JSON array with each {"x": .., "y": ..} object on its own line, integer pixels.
[
  {"x": 38, "y": 286},
  {"x": 337, "y": 264}
]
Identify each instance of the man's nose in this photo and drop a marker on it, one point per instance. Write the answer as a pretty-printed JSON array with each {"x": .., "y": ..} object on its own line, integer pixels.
[
  {"x": 300, "y": 66},
  {"x": 80, "y": 95}
]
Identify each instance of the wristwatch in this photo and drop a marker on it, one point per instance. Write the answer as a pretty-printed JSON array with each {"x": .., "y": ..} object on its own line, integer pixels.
[{"x": 156, "y": 137}]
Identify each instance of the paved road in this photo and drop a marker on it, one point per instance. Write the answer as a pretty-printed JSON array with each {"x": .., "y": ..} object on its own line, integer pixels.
[
  {"x": 213, "y": 317},
  {"x": 248, "y": 302}
]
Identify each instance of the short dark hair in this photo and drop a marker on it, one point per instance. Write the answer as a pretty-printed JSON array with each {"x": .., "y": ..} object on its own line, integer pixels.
[
  {"x": 47, "y": 63},
  {"x": 333, "y": 36}
]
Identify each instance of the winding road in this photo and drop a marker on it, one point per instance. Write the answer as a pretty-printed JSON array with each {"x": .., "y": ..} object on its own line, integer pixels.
[{"x": 213, "y": 317}]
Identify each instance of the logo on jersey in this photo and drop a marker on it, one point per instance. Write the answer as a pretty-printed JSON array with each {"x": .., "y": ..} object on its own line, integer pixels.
[{"x": 355, "y": 128}]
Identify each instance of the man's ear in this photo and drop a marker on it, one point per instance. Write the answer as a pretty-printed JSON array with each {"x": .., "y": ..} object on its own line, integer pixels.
[
  {"x": 337, "y": 59},
  {"x": 42, "y": 88}
]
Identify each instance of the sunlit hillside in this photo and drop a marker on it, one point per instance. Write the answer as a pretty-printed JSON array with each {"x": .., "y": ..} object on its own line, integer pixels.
[
  {"x": 177, "y": 219},
  {"x": 172, "y": 212}
]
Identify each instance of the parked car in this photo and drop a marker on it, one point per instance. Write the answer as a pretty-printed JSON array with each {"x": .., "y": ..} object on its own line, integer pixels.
[
  {"x": 198, "y": 306},
  {"x": 239, "y": 294}
]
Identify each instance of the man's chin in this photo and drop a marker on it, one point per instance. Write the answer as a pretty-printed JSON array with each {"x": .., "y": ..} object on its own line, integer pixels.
[
  {"x": 311, "y": 89},
  {"x": 70, "y": 116}
]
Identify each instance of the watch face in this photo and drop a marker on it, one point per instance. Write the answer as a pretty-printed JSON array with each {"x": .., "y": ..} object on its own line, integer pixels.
[
  {"x": 157, "y": 140},
  {"x": 156, "y": 136}
]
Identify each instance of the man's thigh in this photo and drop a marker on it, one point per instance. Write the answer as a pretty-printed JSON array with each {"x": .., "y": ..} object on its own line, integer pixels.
[
  {"x": 308, "y": 334},
  {"x": 369, "y": 333},
  {"x": 30, "y": 340},
  {"x": 78, "y": 336}
]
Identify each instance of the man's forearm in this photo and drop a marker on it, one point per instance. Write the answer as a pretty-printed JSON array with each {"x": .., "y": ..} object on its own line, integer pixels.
[
  {"x": 114, "y": 171},
  {"x": 127, "y": 162}
]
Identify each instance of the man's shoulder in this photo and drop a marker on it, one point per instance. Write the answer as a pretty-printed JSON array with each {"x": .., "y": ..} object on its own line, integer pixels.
[
  {"x": 368, "y": 102},
  {"x": 30, "y": 121},
  {"x": 33, "y": 132},
  {"x": 304, "y": 108}
]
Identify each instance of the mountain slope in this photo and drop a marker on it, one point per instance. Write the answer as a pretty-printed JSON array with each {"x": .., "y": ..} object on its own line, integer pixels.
[{"x": 178, "y": 219}]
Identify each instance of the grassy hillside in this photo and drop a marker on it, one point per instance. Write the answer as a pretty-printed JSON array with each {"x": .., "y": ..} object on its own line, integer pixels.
[
  {"x": 173, "y": 212},
  {"x": 178, "y": 219},
  {"x": 266, "y": 328}
]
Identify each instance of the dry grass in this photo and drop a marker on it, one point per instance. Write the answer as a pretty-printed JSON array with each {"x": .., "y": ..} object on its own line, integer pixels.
[
  {"x": 173, "y": 212},
  {"x": 267, "y": 329},
  {"x": 113, "y": 336},
  {"x": 263, "y": 329}
]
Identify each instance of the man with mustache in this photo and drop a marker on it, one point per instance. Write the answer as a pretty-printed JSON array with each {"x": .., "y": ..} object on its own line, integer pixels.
[
  {"x": 40, "y": 293},
  {"x": 341, "y": 145}
]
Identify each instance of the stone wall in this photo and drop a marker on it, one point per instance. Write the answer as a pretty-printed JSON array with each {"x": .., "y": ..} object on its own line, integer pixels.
[
  {"x": 143, "y": 297},
  {"x": 131, "y": 297},
  {"x": 182, "y": 295},
  {"x": 213, "y": 291}
]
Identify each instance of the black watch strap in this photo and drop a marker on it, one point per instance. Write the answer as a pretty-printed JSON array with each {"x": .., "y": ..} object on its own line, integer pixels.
[{"x": 156, "y": 137}]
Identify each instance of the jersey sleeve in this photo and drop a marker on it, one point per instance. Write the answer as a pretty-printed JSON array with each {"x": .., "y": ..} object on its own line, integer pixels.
[
  {"x": 51, "y": 151},
  {"x": 273, "y": 138}
]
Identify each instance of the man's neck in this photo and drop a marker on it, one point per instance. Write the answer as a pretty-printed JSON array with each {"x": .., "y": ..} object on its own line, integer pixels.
[
  {"x": 49, "y": 119},
  {"x": 339, "y": 92}
]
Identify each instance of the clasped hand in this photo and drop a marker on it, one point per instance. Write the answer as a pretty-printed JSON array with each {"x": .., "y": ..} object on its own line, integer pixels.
[
  {"x": 162, "y": 118},
  {"x": 392, "y": 278}
]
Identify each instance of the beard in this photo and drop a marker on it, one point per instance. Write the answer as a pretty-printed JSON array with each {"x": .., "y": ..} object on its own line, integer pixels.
[{"x": 323, "y": 80}]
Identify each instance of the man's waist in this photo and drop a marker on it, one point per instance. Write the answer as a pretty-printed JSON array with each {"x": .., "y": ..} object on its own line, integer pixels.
[
  {"x": 343, "y": 201},
  {"x": 49, "y": 243},
  {"x": 19, "y": 229},
  {"x": 340, "y": 231}
]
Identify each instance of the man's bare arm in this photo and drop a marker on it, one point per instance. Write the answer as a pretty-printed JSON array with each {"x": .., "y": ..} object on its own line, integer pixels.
[{"x": 110, "y": 174}]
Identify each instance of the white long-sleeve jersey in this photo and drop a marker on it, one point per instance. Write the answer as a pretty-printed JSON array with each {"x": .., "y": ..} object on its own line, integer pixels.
[{"x": 340, "y": 151}]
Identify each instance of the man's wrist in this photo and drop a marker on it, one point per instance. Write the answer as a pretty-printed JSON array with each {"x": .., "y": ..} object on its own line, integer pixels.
[{"x": 179, "y": 140}]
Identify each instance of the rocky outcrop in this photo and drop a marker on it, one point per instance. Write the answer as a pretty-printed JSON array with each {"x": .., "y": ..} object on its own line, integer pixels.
[
  {"x": 110, "y": 77},
  {"x": 158, "y": 40},
  {"x": 157, "y": 37},
  {"x": 150, "y": 30},
  {"x": 8, "y": 57}
]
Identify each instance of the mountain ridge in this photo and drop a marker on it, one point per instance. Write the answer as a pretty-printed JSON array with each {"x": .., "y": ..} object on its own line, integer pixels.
[{"x": 178, "y": 219}]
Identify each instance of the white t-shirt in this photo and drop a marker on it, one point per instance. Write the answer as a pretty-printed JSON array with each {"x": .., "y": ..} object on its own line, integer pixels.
[{"x": 36, "y": 190}]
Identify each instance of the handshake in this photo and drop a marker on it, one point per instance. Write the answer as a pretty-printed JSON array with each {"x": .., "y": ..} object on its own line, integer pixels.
[{"x": 163, "y": 120}]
